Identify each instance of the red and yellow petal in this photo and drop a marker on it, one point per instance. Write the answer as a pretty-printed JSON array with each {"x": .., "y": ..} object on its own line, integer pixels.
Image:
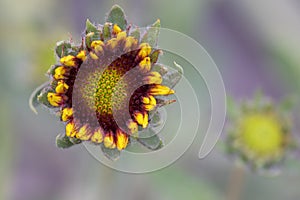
[
  {"x": 153, "y": 78},
  {"x": 157, "y": 89},
  {"x": 69, "y": 61},
  {"x": 97, "y": 45},
  {"x": 122, "y": 140},
  {"x": 97, "y": 136},
  {"x": 71, "y": 130},
  {"x": 109, "y": 141},
  {"x": 145, "y": 64},
  {"x": 61, "y": 73},
  {"x": 67, "y": 114},
  {"x": 56, "y": 99},
  {"x": 61, "y": 87},
  {"x": 141, "y": 118},
  {"x": 145, "y": 50},
  {"x": 132, "y": 126},
  {"x": 83, "y": 133},
  {"x": 81, "y": 55},
  {"x": 149, "y": 103},
  {"x": 116, "y": 29}
]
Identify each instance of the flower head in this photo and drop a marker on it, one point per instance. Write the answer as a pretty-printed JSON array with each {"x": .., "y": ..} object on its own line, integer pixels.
[
  {"x": 106, "y": 87},
  {"x": 260, "y": 134}
]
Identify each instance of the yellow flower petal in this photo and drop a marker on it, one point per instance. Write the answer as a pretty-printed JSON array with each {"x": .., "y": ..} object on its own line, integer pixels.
[
  {"x": 149, "y": 103},
  {"x": 55, "y": 99},
  {"x": 153, "y": 78},
  {"x": 132, "y": 126},
  {"x": 81, "y": 55},
  {"x": 61, "y": 87},
  {"x": 145, "y": 50},
  {"x": 122, "y": 140},
  {"x": 67, "y": 114},
  {"x": 70, "y": 129},
  {"x": 116, "y": 29},
  {"x": 130, "y": 43},
  {"x": 121, "y": 36},
  {"x": 97, "y": 136},
  {"x": 68, "y": 60},
  {"x": 94, "y": 56},
  {"x": 109, "y": 141},
  {"x": 97, "y": 45},
  {"x": 145, "y": 64},
  {"x": 141, "y": 119},
  {"x": 60, "y": 73},
  {"x": 160, "y": 90},
  {"x": 112, "y": 43}
]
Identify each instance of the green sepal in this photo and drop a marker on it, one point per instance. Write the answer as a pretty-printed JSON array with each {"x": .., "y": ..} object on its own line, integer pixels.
[
  {"x": 33, "y": 99},
  {"x": 63, "y": 48},
  {"x": 117, "y": 16},
  {"x": 136, "y": 33},
  {"x": 92, "y": 33},
  {"x": 90, "y": 27},
  {"x": 163, "y": 102},
  {"x": 154, "y": 55},
  {"x": 150, "y": 139},
  {"x": 156, "y": 119},
  {"x": 232, "y": 109},
  {"x": 42, "y": 97},
  {"x": 171, "y": 78},
  {"x": 106, "y": 31},
  {"x": 161, "y": 69},
  {"x": 63, "y": 141},
  {"x": 288, "y": 103},
  {"x": 51, "y": 70},
  {"x": 151, "y": 36},
  {"x": 112, "y": 154},
  {"x": 75, "y": 140}
]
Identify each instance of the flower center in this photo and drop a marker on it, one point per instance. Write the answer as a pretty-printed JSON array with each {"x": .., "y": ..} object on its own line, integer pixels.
[
  {"x": 261, "y": 134},
  {"x": 105, "y": 91}
]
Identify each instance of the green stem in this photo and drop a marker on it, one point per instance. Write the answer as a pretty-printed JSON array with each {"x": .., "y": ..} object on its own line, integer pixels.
[{"x": 236, "y": 183}]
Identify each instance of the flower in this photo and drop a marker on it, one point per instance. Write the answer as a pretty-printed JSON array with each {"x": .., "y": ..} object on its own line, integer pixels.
[
  {"x": 105, "y": 88},
  {"x": 260, "y": 134}
]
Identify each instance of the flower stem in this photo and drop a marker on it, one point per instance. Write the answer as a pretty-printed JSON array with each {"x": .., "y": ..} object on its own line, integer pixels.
[{"x": 236, "y": 183}]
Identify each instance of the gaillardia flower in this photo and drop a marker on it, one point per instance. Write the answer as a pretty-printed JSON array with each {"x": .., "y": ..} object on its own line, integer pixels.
[
  {"x": 260, "y": 134},
  {"x": 105, "y": 89}
]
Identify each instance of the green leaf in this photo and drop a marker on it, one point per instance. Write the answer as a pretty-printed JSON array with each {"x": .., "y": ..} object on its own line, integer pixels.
[
  {"x": 151, "y": 36},
  {"x": 117, "y": 16},
  {"x": 152, "y": 142},
  {"x": 75, "y": 140},
  {"x": 89, "y": 27},
  {"x": 63, "y": 48},
  {"x": 92, "y": 33},
  {"x": 160, "y": 69},
  {"x": 63, "y": 141},
  {"x": 112, "y": 154},
  {"x": 232, "y": 108},
  {"x": 43, "y": 99},
  {"x": 33, "y": 99},
  {"x": 156, "y": 119},
  {"x": 173, "y": 77},
  {"x": 106, "y": 31},
  {"x": 288, "y": 103},
  {"x": 163, "y": 102},
  {"x": 136, "y": 34},
  {"x": 154, "y": 55}
]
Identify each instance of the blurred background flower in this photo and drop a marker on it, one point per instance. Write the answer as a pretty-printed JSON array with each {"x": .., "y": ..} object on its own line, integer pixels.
[
  {"x": 255, "y": 44},
  {"x": 259, "y": 133}
]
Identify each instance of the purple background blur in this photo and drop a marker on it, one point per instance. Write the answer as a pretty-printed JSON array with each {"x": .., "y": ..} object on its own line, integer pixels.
[{"x": 255, "y": 44}]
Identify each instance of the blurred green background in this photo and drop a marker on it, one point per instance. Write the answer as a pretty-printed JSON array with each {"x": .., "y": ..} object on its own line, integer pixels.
[{"x": 255, "y": 44}]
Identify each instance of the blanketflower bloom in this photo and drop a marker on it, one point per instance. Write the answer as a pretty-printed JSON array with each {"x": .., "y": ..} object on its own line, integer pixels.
[{"x": 105, "y": 89}]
